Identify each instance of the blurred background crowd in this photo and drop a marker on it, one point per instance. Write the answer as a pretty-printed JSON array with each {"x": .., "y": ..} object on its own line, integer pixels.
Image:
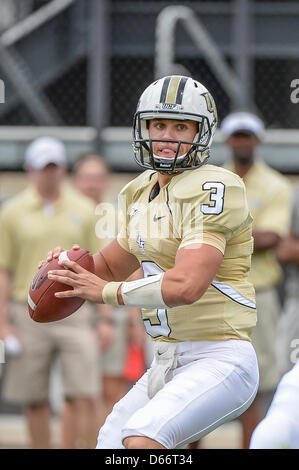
[{"x": 71, "y": 72}]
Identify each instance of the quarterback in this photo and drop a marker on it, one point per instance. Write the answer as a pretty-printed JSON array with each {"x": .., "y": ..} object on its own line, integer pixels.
[{"x": 182, "y": 255}]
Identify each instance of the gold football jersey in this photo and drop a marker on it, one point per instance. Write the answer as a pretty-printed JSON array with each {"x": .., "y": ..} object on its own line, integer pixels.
[{"x": 206, "y": 205}]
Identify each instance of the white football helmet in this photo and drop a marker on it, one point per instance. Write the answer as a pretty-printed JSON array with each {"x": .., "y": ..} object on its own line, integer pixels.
[{"x": 175, "y": 97}]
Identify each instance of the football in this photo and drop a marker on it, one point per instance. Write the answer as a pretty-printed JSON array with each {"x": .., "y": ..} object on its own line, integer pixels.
[{"x": 43, "y": 306}]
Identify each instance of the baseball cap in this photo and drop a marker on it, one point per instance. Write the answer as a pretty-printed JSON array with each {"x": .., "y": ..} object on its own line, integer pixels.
[
  {"x": 43, "y": 151},
  {"x": 242, "y": 121}
]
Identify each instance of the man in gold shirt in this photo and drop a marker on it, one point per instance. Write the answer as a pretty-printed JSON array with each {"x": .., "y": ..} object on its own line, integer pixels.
[
  {"x": 269, "y": 198},
  {"x": 39, "y": 217},
  {"x": 183, "y": 256}
]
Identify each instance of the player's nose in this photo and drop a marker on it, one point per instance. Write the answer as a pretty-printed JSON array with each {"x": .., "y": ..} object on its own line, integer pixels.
[{"x": 168, "y": 133}]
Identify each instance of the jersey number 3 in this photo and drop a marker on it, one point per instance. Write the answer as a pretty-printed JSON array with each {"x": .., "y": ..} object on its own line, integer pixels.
[
  {"x": 162, "y": 329},
  {"x": 216, "y": 198}
]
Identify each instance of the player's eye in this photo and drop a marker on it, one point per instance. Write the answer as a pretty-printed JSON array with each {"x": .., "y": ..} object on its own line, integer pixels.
[{"x": 181, "y": 127}]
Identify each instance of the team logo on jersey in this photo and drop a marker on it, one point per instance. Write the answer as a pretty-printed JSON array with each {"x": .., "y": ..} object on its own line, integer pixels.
[{"x": 140, "y": 242}]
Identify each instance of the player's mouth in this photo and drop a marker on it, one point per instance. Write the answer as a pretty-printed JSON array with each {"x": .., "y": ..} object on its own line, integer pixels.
[{"x": 166, "y": 153}]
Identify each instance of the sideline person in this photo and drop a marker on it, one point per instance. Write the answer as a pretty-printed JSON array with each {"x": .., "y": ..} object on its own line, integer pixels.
[
  {"x": 269, "y": 199},
  {"x": 48, "y": 211}
]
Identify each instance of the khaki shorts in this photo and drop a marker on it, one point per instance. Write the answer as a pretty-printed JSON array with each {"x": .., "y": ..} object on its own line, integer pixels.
[
  {"x": 73, "y": 340},
  {"x": 264, "y": 338},
  {"x": 112, "y": 361}
]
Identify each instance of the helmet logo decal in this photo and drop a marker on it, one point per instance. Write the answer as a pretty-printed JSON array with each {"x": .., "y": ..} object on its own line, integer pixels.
[
  {"x": 169, "y": 106},
  {"x": 211, "y": 105},
  {"x": 209, "y": 101}
]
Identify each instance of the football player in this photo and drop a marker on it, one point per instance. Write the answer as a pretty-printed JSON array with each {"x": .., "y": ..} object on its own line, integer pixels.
[
  {"x": 183, "y": 255},
  {"x": 279, "y": 429}
]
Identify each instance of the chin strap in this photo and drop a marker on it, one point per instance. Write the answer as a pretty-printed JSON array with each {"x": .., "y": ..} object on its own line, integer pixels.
[
  {"x": 158, "y": 160},
  {"x": 179, "y": 159}
]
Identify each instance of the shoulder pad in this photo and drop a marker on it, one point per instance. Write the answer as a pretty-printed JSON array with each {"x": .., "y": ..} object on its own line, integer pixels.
[{"x": 191, "y": 185}]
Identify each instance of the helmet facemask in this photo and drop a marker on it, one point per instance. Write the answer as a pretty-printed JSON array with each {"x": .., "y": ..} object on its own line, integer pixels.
[{"x": 143, "y": 145}]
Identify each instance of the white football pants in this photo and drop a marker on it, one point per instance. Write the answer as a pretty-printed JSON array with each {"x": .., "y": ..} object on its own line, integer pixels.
[
  {"x": 280, "y": 427},
  {"x": 210, "y": 383}
]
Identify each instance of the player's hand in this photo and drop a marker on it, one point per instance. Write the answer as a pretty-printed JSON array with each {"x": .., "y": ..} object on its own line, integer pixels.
[
  {"x": 55, "y": 254},
  {"x": 84, "y": 284}
]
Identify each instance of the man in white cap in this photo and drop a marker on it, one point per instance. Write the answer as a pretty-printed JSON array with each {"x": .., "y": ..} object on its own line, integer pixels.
[
  {"x": 269, "y": 197},
  {"x": 47, "y": 212}
]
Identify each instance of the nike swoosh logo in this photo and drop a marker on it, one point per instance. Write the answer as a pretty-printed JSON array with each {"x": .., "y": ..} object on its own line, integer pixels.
[
  {"x": 134, "y": 212},
  {"x": 158, "y": 218}
]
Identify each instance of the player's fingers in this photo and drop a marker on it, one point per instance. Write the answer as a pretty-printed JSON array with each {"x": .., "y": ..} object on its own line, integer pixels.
[
  {"x": 66, "y": 294},
  {"x": 72, "y": 265},
  {"x": 41, "y": 263},
  {"x": 63, "y": 279},
  {"x": 57, "y": 251},
  {"x": 76, "y": 247},
  {"x": 62, "y": 273},
  {"x": 50, "y": 255}
]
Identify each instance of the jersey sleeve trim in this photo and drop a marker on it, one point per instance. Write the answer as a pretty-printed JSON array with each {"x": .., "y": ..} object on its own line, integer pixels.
[{"x": 208, "y": 238}]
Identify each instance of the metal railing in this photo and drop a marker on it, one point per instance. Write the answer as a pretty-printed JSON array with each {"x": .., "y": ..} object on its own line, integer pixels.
[
  {"x": 165, "y": 52},
  {"x": 16, "y": 69}
]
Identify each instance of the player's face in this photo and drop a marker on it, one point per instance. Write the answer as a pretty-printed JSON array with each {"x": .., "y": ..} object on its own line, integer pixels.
[{"x": 170, "y": 129}]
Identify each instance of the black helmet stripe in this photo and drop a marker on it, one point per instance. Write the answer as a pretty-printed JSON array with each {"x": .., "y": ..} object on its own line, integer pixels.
[
  {"x": 180, "y": 92},
  {"x": 164, "y": 89}
]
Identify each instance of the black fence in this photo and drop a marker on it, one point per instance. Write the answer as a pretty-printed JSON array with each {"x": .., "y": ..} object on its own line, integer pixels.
[{"x": 130, "y": 62}]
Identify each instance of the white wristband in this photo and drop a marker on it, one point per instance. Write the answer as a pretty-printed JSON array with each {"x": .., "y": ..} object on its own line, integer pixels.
[
  {"x": 109, "y": 293},
  {"x": 144, "y": 293}
]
